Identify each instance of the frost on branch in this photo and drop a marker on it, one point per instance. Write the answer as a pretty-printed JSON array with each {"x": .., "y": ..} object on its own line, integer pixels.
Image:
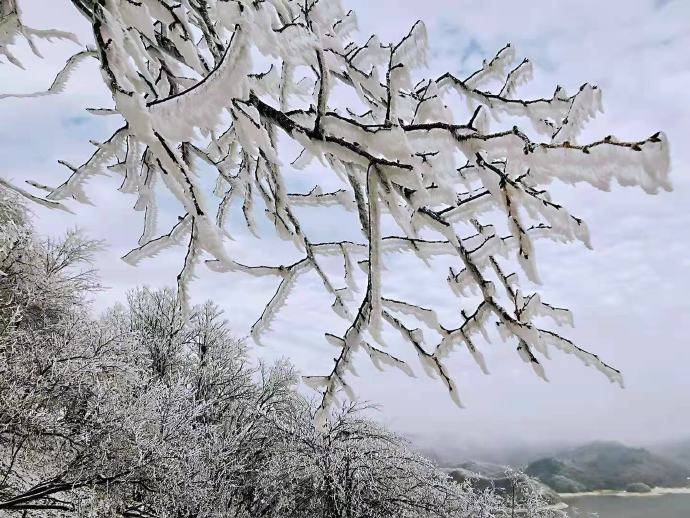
[
  {"x": 12, "y": 30},
  {"x": 212, "y": 92}
]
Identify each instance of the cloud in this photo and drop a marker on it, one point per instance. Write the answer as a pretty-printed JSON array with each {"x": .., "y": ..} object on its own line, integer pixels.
[{"x": 629, "y": 295}]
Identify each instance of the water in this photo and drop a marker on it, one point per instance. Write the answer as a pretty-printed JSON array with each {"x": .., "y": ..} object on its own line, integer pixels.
[{"x": 662, "y": 506}]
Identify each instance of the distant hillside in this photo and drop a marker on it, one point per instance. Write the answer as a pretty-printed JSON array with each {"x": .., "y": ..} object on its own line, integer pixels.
[
  {"x": 607, "y": 465},
  {"x": 487, "y": 475},
  {"x": 678, "y": 451}
]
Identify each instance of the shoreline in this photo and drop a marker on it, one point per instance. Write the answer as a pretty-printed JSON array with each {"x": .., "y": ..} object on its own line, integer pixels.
[{"x": 656, "y": 491}]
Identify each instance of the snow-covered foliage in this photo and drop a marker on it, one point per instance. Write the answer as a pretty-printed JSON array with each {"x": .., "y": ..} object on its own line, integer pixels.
[
  {"x": 526, "y": 497},
  {"x": 149, "y": 413},
  {"x": 352, "y": 467},
  {"x": 40, "y": 281},
  {"x": 212, "y": 91}
]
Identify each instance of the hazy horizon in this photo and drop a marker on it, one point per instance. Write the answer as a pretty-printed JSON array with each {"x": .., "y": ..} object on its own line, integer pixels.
[{"x": 518, "y": 456}]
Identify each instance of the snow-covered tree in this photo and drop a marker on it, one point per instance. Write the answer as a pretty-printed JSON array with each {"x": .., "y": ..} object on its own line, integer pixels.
[
  {"x": 139, "y": 413},
  {"x": 141, "y": 409},
  {"x": 525, "y": 498},
  {"x": 149, "y": 413},
  {"x": 41, "y": 280},
  {"x": 351, "y": 467},
  {"x": 221, "y": 101}
]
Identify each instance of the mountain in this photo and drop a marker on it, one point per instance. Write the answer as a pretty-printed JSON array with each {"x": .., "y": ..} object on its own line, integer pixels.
[
  {"x": 519, "y": 453},
  {"x": 483, "y": 475},
  {"x": 607, "y": 465},
  {"x": 679, "y": 451}
]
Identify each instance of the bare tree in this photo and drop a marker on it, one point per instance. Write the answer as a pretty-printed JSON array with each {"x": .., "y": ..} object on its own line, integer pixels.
[{"x": 446, "y": 166}]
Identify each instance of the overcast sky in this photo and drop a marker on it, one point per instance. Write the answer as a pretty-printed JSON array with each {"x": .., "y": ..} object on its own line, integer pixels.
[{"x": 630, "y": 296}]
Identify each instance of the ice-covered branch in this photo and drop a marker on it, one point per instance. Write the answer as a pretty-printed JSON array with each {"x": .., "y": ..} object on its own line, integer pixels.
[{"x": 217, "y": 95}]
